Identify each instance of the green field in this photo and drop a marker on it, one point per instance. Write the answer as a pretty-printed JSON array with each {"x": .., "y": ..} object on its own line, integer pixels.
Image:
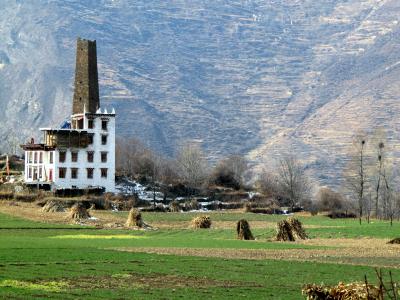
[{"x": 54, "y": 261}]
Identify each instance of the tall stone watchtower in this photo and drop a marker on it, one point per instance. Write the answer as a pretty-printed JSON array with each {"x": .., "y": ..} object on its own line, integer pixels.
[{"x": 86, "y": 87}]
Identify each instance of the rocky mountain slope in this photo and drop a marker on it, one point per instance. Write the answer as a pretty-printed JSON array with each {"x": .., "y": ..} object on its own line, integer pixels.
[{"x": 255, "y": 77}]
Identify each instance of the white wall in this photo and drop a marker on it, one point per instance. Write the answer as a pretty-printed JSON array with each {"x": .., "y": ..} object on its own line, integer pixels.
[{"x": 82, "y": 164}]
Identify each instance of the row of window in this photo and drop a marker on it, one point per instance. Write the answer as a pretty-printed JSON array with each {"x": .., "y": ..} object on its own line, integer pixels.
[
  {"x": 62, "y": 173},
  {"x": 103, "y": 139},
  {"x": 103, "y": 124},
  {"x": 37, "y": 157},
  {"x": 91, "y": 124},
  {"x": 74, "y": 156}
]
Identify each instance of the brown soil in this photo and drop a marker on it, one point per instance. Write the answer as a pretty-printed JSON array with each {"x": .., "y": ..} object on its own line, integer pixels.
[{"x": 369, "y": 252}]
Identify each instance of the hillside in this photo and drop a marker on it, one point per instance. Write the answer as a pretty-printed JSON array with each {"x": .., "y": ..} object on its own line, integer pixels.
[{"x": 259, "y": 78}]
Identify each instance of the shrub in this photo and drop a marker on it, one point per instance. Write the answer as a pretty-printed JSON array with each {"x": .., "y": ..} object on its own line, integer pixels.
[
  {"x": 174, "y": 206},
  {"x": 25, "y": 197}
]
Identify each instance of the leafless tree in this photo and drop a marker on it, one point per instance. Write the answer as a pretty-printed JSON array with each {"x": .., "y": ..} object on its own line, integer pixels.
[
  {"x": 192, "y": 165},
  {"x": 378, "y": 142},
  {"x": 356, "y": 176},
  {"x": 292, "y": 181},
  {"x": 230, "y": 171}
]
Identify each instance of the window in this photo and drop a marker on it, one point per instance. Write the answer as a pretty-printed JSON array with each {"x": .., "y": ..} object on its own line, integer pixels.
[
  {"x": 30, "y": 173},
  {"x": 74, "y": 173},
  {"x": 89, "y": 172},
  {"x": 40, "y": 157},
  {"x": 40, "y": 173},
  {"x": 30, "y": 155},
  {"x": 80, "y": 123},
  {"x": 104, "y": 124},
  {"x": 90, "y": 123},
  {"x": 103, "y": 139},
  {"x": 90, "y": 156},
  {"x": 103, "y": 172},
  {"x": 103, "y": 157},
  {"x": 90, "y": 138},
  {"x": 35, "y": 157},
  {"x": 62, "y": 156},
  {"x": 51, "y": 157},
  {"x": 62, "y": 172},
  {"x": 74, "y": 156},
  {"x": 35, "y": 174}
]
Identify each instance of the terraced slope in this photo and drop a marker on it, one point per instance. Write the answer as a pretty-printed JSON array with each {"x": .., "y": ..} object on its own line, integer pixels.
[{"x": 253, "y": 77}]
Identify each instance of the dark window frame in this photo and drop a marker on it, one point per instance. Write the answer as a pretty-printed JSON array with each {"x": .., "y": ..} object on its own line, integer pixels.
[
  {"x": 62, "y": 156},
  {"x": 104, "y": 156},
  {"x": 104, "y": 138},
  {"x": 104, "y": 172},
  {"x": 74, "y": 156},
  {"x": 90, "y": 138},
  {"x": 89, "y": 173},
  {"x": 74, "y": 173},
  {"x": 104, "y": 125},
  {"x": 90, "y": 156},
  {"x": 91, "y": 123},
  {"x": 62, "y": 173}
]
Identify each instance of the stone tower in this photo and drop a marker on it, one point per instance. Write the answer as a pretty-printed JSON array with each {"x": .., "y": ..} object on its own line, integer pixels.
[{"x": 86, "y": 87}]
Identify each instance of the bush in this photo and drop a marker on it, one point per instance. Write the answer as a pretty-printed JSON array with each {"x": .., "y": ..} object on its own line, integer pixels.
[
  {"x": 6, "y": 195},
  {"x": 25, "y": 197},
  {"x": 174, "y": 206}
]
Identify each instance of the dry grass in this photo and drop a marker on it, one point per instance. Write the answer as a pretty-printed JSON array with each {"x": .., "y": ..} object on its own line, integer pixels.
[
  {"x": 53, "y": 206},
  {"x": 352, "y": 291}
]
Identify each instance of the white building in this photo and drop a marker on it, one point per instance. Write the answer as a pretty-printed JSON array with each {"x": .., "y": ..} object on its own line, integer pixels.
[{"x": 80, "y": 154}]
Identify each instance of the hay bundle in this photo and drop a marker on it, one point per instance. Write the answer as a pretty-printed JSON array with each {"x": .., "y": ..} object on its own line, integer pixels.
[
  {"x": 284, "y": 231},
  {"x": 201, "y": 222},
  {"x": 174, "y": 206},
  {"x": 298, "y": 231},
  {"x": 53, "y": 206},
  {"x": 134, "y": 218},
  {"x": 78, "y": 212},
  {"x": 243, "y": 230},
  {"x": 394, "y": 241},
  {"x": 352, "y": 291},
  {"x": 290, "y": 230}
]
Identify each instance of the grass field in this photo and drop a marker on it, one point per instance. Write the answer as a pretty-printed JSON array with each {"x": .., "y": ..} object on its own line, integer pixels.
[{"x": 60, "y": 261}]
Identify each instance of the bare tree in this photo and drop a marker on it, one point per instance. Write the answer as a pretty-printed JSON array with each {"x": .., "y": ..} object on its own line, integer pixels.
[
  {"x": 378, "y": 142},
  {"x": 356, "y": 176},
  {"x": 292, "y": 181},
  {"x": 230, "y": 172},
  {"x": 192, "y": 165}
]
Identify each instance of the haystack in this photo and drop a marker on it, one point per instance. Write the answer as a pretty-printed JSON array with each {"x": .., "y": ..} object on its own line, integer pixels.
[
  {"x": 134, "y": 218},
  {"x": 394, "y": 241},
  {"x": 352, "y": 291},
  {"x": 53, "y": 206},
  {"x": 297, "y": 229},
  {"x": 201, "y": 222},
  {"x": 284, "y": 231},
  {"x": 290, "y": 230},
  {"x": 243, "y": 230},
  {"x": 78, "y": 212}
]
